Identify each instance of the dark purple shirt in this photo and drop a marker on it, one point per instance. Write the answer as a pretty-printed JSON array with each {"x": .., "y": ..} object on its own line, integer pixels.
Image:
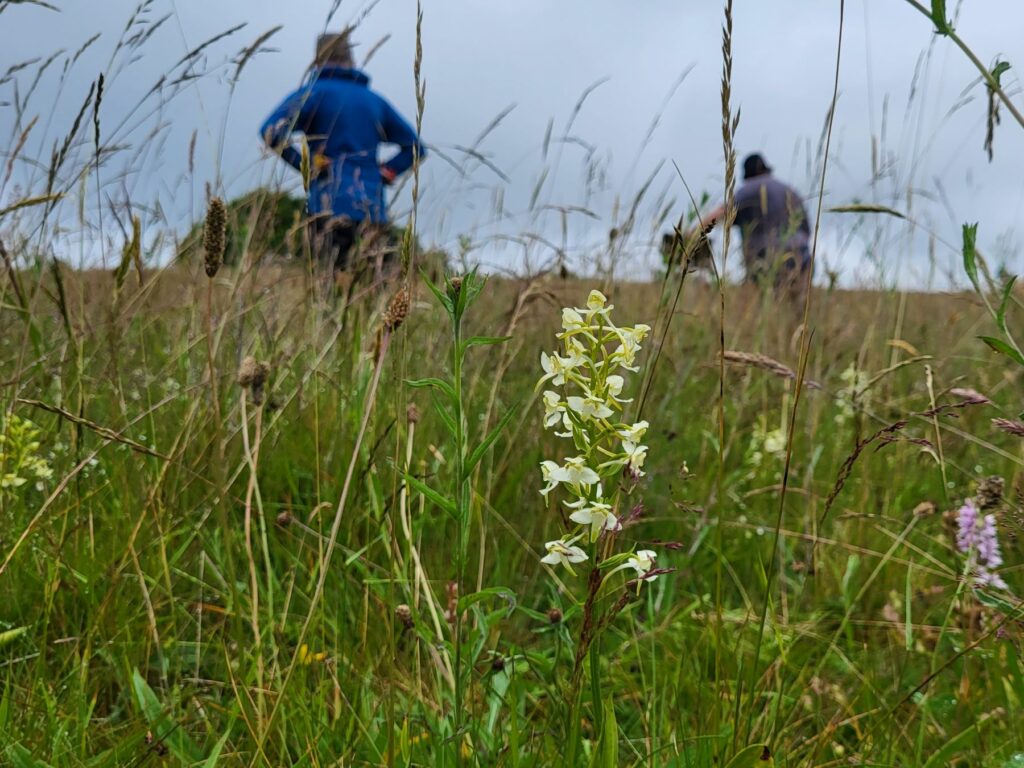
[{"x": 772, "y": 219}]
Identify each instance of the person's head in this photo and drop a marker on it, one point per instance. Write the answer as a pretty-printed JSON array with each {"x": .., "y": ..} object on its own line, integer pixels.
[
  {"x": 336, "y": 49},
  {"x": 754, "y": 165}
]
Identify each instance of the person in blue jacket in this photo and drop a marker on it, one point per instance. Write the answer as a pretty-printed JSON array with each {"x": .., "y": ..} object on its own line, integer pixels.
[{"x": 344, "y": 123}]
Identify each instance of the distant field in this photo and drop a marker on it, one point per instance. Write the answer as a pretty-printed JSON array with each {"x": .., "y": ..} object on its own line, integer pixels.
[{"x": 163, "y": 598}]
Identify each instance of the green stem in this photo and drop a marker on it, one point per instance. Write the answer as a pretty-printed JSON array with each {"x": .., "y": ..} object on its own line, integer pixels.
[
  {"x": 595, "y": 686},
  {"x": 462, "y": 513},
  {"x": 986, "y": 74}
]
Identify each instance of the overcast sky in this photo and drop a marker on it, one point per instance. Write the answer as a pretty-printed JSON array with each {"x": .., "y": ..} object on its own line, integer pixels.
[{"x": 909, "y": 95}]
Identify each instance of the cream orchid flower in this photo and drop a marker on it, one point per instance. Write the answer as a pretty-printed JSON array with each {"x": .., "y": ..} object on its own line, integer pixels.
[
  {"x": 563, "y": 552},
  {"x": 554, "y": 410},
  {"x": 575, "y": 472},
  {"x": 597, "y": 304},
  {"x": 572, "y": 320},
  {"x": 556, "y": 368},
  {"x": 615, "y": 384},
  {"x": 629, "y": 345},
  {"x": 634, "y": 433},
  {"x": 596, "y": 514},
  {"x": 643, "y": 562},
  {"x": 636, "y": 454},
  {"x": 589, "y": 407},
  {"x": 548, "y": 470}
]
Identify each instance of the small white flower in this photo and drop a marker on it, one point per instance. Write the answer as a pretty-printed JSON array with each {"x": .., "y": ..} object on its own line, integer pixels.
[
  {"x": 555, "y": 368},
  {"x": 589, "y": 407},
  {"x": 575, "y": 472},
  {"x": 615, "y": 384},
  {"x": 572, "y": 320},
  {"x": 564, "y": 552},
  {"x": 597, "y": 304},
  {"x": 554, "y": 411},
  {"x": 643, "y": 563},
  {"x": 775, "y": 442},
  {"x": 635, "y": 433},
  {"x": 548, "y": 470},
  {"x": 629, "y": 345},
  {"x": 636, "y": 454},
  {"x": 596, "y": 514},
  {"x": 577, "y": 353}
]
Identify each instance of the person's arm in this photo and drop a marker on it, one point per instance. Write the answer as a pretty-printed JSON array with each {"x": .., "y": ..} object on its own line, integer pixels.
[
  {"x": 710, "y": 219},
  {"x": 278, "y": 128},
  {"x": 396, "y": 130}
]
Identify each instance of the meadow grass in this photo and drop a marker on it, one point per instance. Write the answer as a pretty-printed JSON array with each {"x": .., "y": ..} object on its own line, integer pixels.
[{"x": 159, "y": 587}]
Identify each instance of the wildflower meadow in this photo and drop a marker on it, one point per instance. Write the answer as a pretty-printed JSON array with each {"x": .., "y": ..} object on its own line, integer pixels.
[{"x": 255, "y": 513}]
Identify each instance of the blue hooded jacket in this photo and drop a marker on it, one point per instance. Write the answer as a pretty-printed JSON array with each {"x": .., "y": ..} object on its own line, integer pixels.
[{"x": 344, "y": 122}]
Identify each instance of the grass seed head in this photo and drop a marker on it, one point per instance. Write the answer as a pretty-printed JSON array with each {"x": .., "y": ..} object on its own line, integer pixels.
[
  {"x": 253, "y": 375},
  {"x": 1009, "y": 426},
  {"x": 397, "y": 310},
  {"x": 214, "y": 235},
  {"x": 412, "y": 414}
]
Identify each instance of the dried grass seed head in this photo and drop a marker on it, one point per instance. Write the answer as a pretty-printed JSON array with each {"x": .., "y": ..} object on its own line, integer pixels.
[
  {"x": 397, "y": 310},
  {"x": 214, "y": 235}
]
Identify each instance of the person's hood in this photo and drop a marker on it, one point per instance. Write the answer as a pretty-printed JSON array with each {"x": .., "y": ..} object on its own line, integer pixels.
[{"x": 335, "y": 72}]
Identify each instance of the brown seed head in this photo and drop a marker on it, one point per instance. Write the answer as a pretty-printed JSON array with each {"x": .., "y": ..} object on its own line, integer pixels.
[
  {"x": 247, "y": 371},
  {"x": 253, "y": 374},
  {"x": 284, "y": 519},
  {"x": 214, "y": 235},
  {"x": 412, "y": 413},
  {"x": 554, "y": 616},
  {"x": 404, "y": 614},
  {"x": 397, "y": 310}
]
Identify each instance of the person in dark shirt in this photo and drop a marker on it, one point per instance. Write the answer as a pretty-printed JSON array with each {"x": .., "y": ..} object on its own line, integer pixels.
[
  {"x": 774, "y": 227},
  {"x": 344, "y": 123}
]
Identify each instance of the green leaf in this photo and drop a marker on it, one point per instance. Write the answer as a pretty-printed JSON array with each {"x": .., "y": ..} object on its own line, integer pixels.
[
  {"x": 211, "y": 761},
  {"x": 1003, "y": 348},
  {"x": 432, "y": 383},
  {"x": 1007, "y": 293},
  {"x": 441, "y": 297},
  {"x": 867, "y": 208},
  {"x": 446, "y": 417},
  {"x": 970, "y": 253},
  {"x": 754, "y": 756},
  {"x": 1001, "y": 604},
  {"x": 504, "y": 593},
  {"x": 607, "y": 754},
  {"x": 482, "y": 341},
  {"x": 444, "y": 503},
  {"x": 939, "y": 19},
  {"x": 999, "y": 70},
  {"x": 22, "y": 758},
  {"x": 480, "y": 450},
  {"x": 944, "y": 756},
  {"x": 163, "y": 726}
]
